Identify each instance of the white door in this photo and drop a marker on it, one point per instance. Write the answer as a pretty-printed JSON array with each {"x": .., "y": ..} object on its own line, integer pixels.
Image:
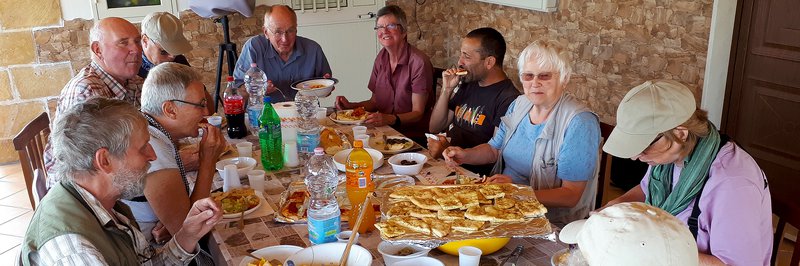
[{"x": 346, "y": 35}]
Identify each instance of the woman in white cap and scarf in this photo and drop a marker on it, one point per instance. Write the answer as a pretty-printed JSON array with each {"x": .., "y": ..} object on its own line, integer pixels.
[
  {"x": 547, "y": 139},
  {"x": 696, "y": 174}
]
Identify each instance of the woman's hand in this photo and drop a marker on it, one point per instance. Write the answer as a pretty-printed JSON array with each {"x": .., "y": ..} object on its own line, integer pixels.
[
  {"x": 499, "y": 178},
  {"x": 378, "y": 119},
  {"x": 436, "y": 146},
  {"x": 342, "y": 103}
]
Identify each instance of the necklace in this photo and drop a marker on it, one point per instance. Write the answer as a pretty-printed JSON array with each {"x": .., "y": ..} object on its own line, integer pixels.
[{"x": 158, "y": 126}]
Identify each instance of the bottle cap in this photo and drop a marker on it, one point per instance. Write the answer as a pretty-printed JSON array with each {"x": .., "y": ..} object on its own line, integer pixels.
[
  {"x": 358, "y": 144},
  {"x": 267, "y": 99},
  {"x": 230, "y": 78},
  {"x": 319, "y": 151}
]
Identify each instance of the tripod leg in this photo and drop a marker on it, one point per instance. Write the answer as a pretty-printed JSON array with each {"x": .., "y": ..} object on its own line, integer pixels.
[{"x": 217, "y": 100}]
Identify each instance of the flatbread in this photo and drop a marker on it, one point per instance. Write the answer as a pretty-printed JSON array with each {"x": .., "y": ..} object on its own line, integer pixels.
[
  {"x": 492, "y": 191},
  {"x": 400, "y": 209},
  {"x": 468, "y": 198},
  {"x": 413, "y": 224},
  {"x": 403, "y": 193},
  {"x": 504, "y": 203},
  {"x": 449, "y": 215},
  {"x": 426, "y": 203},
  {"x": 438, "y": 228},
  {"x": 421, "y": 213},
  {"x": 503, "y": 216},
  {"x": 477, "y": 213},
  {"x": 449, "y": 202},
  {"x": 390, "y": 230},
  {"x": 531, "y": 208},
  {"x": 467, "y": 226}
]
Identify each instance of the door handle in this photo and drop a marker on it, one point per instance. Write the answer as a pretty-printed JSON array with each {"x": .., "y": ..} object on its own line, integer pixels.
[{"x": 367, "y": 15}]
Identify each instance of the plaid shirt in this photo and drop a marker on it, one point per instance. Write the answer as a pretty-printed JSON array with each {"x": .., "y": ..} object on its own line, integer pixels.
[
  {"x": 74, "y": 249},
  {"x": 92, "y": 81}
]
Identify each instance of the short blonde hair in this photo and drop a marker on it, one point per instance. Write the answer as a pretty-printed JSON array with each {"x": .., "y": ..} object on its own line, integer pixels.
[
  {"x": 697, "y": 125},
  {"x": 548, "y": 55}
]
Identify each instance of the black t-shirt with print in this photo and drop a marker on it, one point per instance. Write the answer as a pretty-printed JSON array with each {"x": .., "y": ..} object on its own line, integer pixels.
[{"x": 477, "y": 111}]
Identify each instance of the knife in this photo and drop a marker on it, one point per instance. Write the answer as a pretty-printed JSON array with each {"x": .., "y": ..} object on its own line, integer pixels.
[{"x": 513, "y": 257}]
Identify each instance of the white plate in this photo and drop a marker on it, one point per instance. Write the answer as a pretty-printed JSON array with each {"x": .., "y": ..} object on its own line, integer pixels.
[
  {"x": 329, "y": 254},
  {"x": 377, "y": 143},
  {"x": 332, "y": 116},
  {"x": 281, "y": 253},
  {"x": 261, "y": 201}
]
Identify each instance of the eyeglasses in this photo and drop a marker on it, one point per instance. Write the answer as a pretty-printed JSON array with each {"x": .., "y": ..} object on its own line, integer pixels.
[
  {"x": 541, "y": 76},
  {"x": 648, "y": 149},
  {"x": 202, "y": 103},
  {"x": 163, "y": 52},
  {"x": 390, "y": 26},
  {"x": 290, "y": 32}
]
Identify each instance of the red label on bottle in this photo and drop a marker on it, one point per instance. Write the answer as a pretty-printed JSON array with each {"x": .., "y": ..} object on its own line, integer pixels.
[{"x": 234, "y": 105}]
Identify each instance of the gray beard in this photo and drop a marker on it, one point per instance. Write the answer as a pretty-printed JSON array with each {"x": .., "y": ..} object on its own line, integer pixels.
[{"x": 130, "y": 182}]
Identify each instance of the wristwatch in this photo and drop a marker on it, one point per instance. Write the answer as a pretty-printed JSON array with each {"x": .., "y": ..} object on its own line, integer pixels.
[{"x": 396, "y": 121}]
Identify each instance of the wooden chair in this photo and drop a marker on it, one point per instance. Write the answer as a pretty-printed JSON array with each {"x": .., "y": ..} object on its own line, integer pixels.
[
  {"x": 787, "y": 208},
  {"x": 30, "y": 143},
  {"x": 604, "y": 176}
]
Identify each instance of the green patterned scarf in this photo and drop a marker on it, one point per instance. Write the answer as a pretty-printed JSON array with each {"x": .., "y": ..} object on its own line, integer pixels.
[{"x": 692, "y": 179}]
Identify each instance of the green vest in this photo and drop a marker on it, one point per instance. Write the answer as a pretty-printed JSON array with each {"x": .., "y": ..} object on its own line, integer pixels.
[{"x": 63, "y": 211}]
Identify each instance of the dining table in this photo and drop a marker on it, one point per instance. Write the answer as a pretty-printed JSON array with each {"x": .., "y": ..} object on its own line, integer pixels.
[{"x": 229, "y": 244}]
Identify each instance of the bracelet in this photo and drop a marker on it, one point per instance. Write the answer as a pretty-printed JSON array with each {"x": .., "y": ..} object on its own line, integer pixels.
[{"x": 396, "y": 121}]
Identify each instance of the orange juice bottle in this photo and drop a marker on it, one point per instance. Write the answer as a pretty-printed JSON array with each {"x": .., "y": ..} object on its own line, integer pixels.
[{"x": 359, "y": 185}]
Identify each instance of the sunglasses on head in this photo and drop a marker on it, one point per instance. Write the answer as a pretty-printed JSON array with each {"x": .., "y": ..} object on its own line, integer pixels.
[{"x": 541, "y": 76}]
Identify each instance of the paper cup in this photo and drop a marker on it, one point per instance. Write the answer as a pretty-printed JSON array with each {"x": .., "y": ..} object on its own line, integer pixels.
[
  {"x": 256, "y": 178},
  {"x": 215, "y": 120},
  {"x": 359, "y": 130},
  {"x": 469, "y": 256},
  {"x": 245, "y": 149}
]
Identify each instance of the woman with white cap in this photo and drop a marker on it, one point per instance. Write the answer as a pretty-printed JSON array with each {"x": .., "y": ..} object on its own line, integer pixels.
[
  {"x": 696, "y": 174},
  {"x": 547, "y": 139}
]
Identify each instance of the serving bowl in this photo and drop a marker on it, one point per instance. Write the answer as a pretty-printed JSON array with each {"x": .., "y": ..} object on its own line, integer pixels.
[
  {"x": 486, "y": 245},
  {"x": 389, "y": 252},
  {"x": 413, "y": 169},
  {"x": 243, "y": 165},
  {"x": 330, "y": 254},
  {"x": 320, "y": 87},
  {"x": 340, "y": 158}
]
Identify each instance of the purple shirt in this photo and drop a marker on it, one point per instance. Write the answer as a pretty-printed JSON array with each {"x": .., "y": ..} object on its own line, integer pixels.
[
  {"x": 736, "y": 220},
  {"x": 392, "y": 91}
]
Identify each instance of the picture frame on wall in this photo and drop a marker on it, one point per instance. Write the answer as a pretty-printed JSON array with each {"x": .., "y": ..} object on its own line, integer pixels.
[{"x": 132, "y": 10}]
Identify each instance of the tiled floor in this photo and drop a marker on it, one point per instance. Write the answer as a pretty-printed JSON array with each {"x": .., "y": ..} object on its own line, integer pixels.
[{"x": 16, "y": 212}]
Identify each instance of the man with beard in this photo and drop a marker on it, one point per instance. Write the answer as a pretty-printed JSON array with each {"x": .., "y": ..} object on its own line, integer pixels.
[
  {"x": 103, "y": 153},
  {"x": 116, "y": 51},
  {"x": 173, "y": 104},
  {"x": 474, "y": 108}
]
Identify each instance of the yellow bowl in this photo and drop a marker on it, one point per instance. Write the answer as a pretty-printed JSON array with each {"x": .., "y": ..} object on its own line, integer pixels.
[{"x": 486, "y": 245}]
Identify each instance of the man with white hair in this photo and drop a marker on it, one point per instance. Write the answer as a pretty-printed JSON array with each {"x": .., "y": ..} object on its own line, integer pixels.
[
  {"x": 173, "y": 104},
  {"x": 116, "y": 53},
  {"x": 103, "y": 152}
]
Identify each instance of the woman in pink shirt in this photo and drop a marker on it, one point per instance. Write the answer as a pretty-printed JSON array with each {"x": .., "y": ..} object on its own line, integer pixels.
[{"x": 401, "y": 80}]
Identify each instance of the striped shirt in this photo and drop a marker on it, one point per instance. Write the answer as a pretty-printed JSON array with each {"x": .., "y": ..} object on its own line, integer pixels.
[
  {"x": 92, "y": 81},
  {"x": 74, "y": 249}
]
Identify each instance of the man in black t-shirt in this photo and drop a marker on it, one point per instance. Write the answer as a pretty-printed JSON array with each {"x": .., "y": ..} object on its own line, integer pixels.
[{"x": 471, "y": 112}]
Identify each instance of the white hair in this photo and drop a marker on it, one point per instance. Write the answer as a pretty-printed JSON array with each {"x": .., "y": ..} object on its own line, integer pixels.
[
  {"x": 547, "y": 54},
  {"x": 165, "y": 82}
]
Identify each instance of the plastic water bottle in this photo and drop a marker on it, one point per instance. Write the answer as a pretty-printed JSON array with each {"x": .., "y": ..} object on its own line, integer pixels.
[
  {"x": 308, "y": 128},
  {"x": 269, "y": 136},
  {"x": 234, "y": 111},
  {"x": 256, "y": 83},
  {"x": 324, "y": 216}
]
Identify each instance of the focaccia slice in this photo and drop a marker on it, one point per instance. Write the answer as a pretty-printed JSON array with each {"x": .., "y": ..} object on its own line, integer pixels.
[
  {"x": 467, "y": 226},
  {"x": 477, "y": 213},
  {"x": 390, "y": 230},
  {"x": 403, "y": 193},
  {"x": 427, "y": 203},
  {"x": 421, "y": 213},
  {"x": 413, "y": 224},
  {"x": 504, "y": 203},
  {"x": 400, "y": 209},
  {"x": 496, "y": 215},
  {"x": 468, "y": 198},
  {"x": 531, "y": 208},
  {"x": 438, "y": 228},
  {"x": 449, "y": 202},
  {"x": 492, "y": 191},
  {"x": 450, "y": 215}
]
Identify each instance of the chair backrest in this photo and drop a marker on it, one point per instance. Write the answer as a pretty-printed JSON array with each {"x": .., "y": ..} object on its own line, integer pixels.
[
  {"x": 39, "y": 188},
  {"x": 604, "y": 175},
  {"x": 30, "y": 143},
  {"x": 787, "y": 208}
]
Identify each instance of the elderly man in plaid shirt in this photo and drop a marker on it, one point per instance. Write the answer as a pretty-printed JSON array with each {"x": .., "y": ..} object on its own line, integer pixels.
[{"x": 116, "y": 52}]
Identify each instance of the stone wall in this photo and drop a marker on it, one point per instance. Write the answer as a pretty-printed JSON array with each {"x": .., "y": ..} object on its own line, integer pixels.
[
  {"x": 27, "y": 82},
  {"x": 614, "y": 45}
]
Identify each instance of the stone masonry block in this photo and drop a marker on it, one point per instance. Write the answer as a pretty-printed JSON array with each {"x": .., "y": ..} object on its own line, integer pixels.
[
  {"x": 16, "y": 116},
  {"x": 22, "y": 14},
  {"x": 7, "y": 152},
  {"x": 16, "y": 47},
  {"x": 40, "y": 81},
  {"x": 5, "y": 86}
]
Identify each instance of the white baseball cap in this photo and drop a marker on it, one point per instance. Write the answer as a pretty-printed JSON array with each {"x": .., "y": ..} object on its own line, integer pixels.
[
  {"x": 646, "y": 111},
  {"x": 166, "y": 30},
  {"x": 632, "y": 233}
]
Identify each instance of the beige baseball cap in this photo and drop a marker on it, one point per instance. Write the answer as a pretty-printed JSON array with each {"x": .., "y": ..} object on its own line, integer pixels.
[
  {"x": 166, "y": 30},
  {"x": 646, "y": 111},
  {"x": 632, "y": 233}
]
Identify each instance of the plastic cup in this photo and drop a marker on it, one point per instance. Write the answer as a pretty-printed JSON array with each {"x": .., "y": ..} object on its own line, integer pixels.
[
  {"x": 215, "y": 120},
  {"x": 364, "y": 139},
  {"x": 469, "y": 256},
  {"x": 321, "y": 114},
  {"x": 290, "y": 158},
  {"x": 359, "y": 130},
  {"x": 245, "y": 149},
  {"x": 256, "y": 178}
]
